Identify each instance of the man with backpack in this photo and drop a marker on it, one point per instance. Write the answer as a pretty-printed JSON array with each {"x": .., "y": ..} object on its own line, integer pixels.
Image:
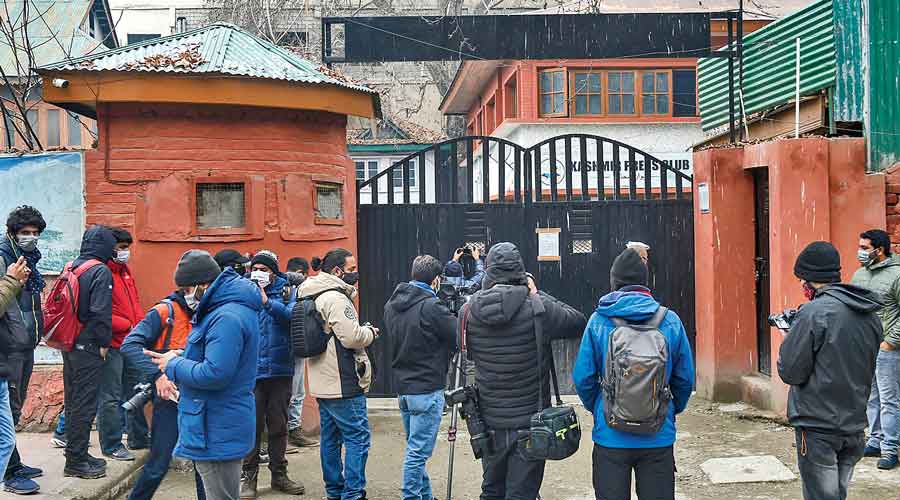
[
  {"x": 166, "y": 327},
  {"x": 512, "y": 379},
  {"x": 634, "y": 372},
  {"x": 83, "y": 365},
  {"x": 297, "y": 272},
  {"x": 274, "y": 377}
]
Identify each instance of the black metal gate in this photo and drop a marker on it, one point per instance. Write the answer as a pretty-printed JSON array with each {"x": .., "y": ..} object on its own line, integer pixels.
[{"x": 597, "y": 193}]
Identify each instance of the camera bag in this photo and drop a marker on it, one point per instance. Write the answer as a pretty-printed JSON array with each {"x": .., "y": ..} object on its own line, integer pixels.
[{"x": 555, "y": 432}]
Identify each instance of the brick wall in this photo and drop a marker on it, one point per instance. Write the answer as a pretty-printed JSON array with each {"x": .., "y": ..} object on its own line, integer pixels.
[{"x": 892, "y": 205}]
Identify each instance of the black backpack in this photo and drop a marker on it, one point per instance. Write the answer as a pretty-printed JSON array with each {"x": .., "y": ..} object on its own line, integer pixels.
[{"x": 308, "y": 335}]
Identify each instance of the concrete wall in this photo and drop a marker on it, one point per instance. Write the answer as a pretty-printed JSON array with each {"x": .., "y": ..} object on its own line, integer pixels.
[{"x": 818, "y": 190}]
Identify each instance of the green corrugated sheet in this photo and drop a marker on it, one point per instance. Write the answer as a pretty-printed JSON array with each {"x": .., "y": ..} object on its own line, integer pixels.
[
  {"x": 847, "y": 105},
  {"x": 884, "y": 83},
  {"x": 769, "y": 58}
]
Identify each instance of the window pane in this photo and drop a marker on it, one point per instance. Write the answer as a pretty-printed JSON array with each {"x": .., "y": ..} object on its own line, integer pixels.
[
  {"x": 628, "y": 104},
  {"x": 595, "y": 104},
  {"x": 647, "y": 104},
  {"x": 397, "y": 173},
  {"x": 558, "y": 82},
  {"x": 546, "y": 100},
  {"x": 559, "y": 103},
  {"x": 74, "y": 130},
  {"x": 614, "y": 84},
  {"x": 662, "y": 104},
  {"x": 52, "y": 128},
  {"x": 594, "y": 82},
  {"x": 220, "y": 205},
  {"x": 581, "y": 85},
  {"x": 628, "y": 82},
  {"x": 647, "y": 82},
  {"x": 581, "y": 105},
  {"x": 360, "y": 171},
  {"x": 545, "y": 82},
  {"x": 32, "y": 116},
  {"x": 329, "y": 203},
  {"x": 662, "y": 82},
  {"x": 614, "y": 104},
  {"x": 412, "y": 173}
]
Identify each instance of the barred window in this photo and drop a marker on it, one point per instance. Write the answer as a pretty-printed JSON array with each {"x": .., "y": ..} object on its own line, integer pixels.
[
  {"x": 221, "y": 205},
  {"x": 329, "y": 202}
]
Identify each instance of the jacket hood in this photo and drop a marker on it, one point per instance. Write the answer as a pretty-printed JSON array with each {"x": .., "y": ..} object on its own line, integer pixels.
[
  {"x": 98, "y": 243},
  {"x": 407, "y": 295},
  {"x": 229, "y": 288},
  {"x": 856, "y": 298},
  {"x": 889, "y": 262},
  {"x": 629, "y": 305},
  {"x": 322, "y": 282},
  {"x": 504, "y": 265},
  {"x": 498, "y": 304}
]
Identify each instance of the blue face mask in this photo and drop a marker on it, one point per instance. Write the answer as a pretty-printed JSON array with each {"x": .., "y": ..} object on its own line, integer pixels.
[{"x": 27, "y": 242}]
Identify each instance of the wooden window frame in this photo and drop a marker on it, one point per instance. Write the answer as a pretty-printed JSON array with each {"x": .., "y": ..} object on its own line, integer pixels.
[
  {"x": 634, "y": 92},
  {"x": 565, "y": 92},
  {"x": 332, "y": 183},
  {"x": 511, "y": 83},
  {"x": 225, "y": 231},
  {"x": 490, "y": 113},
  {"x": 640, "y": 85},
  {"x": 574, "y": 95}
]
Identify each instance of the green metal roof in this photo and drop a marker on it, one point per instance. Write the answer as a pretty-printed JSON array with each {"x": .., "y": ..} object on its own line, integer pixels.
[
  {"x": 220, "y": 48},
  {"x": 769, "y": 65}
]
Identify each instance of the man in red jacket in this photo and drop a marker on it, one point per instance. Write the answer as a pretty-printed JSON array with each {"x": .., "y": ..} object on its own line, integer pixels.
[{"x": 119, "y": 377}]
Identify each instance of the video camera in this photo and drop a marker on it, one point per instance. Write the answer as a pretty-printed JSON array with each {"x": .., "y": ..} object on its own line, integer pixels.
[
  {"x": 453, "y": 296},
  {"x": 470, "y": 410},
  {"x": 783, "y": 320},
  {"x": 143, "y": 395}
]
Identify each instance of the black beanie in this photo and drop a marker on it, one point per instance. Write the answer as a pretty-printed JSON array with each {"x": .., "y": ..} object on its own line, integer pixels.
[
  {"x": 266, "y": 258},
  {"x": 195, "y": 268},
  {"x": 228, "y": 258},
  {"x": 628, "y": 269},
  {"x": 819, "y": 262}
]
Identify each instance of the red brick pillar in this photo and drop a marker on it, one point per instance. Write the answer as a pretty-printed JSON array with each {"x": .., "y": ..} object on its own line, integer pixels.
[{"x": 892, "y": 205}]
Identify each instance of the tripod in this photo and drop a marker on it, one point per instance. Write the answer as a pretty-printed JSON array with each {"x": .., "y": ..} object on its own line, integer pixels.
[{"x": 454, "y": 421}]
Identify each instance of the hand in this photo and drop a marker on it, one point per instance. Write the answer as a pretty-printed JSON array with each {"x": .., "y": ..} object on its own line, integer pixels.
[
  {"x": 457, "y": 254},
  {"x": 531, "y": 286},
  {"x": 262, "y": 293},
  {"x": 19, "y": 271},
  {"x": 886, "y": 346},
  {"x": 162, "y": 360},
  {"x": 103, "y": 352},
  {"x": 165, "y": 388},
  {"x": 476, "y": 252}
]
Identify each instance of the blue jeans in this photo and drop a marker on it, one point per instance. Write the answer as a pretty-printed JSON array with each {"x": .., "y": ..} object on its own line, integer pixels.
[
  {"x": 298, "y": 394},
  {"x": 7, "y": 427},
  {"x": 421, "y": 422},
  {"x": 884, "y": 403},
  {"x": 162, "y": 443},
  {"x": 344, "y": 422},
  {"x": 118, "y": 380}
]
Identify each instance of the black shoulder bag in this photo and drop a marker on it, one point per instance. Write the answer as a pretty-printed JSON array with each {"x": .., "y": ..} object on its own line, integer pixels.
[{"x": 555, "y": 432}]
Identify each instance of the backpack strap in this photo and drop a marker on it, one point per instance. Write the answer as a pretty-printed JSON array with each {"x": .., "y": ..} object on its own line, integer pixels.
[
  {"x": 538, "y": 309},
  {"x": 84, "y": 267},
  {"x": 170, "y": 323},
  {"x": 658, "y": 317}
]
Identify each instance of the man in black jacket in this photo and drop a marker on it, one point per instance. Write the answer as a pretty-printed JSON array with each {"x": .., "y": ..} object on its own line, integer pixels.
[
  {"x": 828, "y": 358},
  {"x": 501, "y": 340},
  {"x": 82, "y": 368},
  {"x": 422, "y": 332}
]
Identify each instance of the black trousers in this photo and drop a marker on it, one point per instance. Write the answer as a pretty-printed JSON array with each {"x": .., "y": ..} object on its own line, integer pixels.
[
  {"x": 82, "y": 372},
  {"x": 273, "y": 397},
  {"x": 654, "y": 472},
  {"x": 21, "y": 365},
  {"x": 508, "y": 475}
]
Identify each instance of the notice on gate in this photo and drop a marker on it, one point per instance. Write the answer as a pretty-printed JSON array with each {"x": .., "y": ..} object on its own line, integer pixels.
[{"x": 548, "y": 243}]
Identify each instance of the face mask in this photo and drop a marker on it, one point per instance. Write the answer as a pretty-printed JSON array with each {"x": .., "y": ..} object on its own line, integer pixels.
[
  {"x": 260, "y": 277},
  {"x": 865, "y": 258},
  {"x": 122, "y": 256},
  {"x": 191, "y": 300},
  {"x": 808, "y": 291},
  {"x": 27, "y": 243},
  {"x": 351, "y": 278}
]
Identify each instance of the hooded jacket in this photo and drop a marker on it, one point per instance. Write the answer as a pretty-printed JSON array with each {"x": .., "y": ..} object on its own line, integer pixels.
[
  {"x": 27, "y": 305},
  {"x": 828, "y": 359},
  {"x": 9, "y": 319},
  {"x": 146, "y": 333},
  {"x": 883, "y": 278},
  {"x": 276, "y": 355},
  {"x": 634, "y": 305},
  {"x": 422, "y": 334},
  {"x": 216, "y": 374},
  {"x": 95, "y": 288},
  {"x": 126, "y": 307},
  {"x": 344, "y": 369}
]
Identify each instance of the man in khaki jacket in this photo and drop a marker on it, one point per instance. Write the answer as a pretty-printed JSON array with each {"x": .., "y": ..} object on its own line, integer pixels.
[{"x": 340, "y": 377}]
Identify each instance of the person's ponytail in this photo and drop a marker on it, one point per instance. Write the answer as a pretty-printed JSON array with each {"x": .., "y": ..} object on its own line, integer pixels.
[{"x": 316, "y": 264}]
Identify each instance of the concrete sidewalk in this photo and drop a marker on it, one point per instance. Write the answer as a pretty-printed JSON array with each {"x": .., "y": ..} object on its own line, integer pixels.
[{"x": 37, "y": 452}]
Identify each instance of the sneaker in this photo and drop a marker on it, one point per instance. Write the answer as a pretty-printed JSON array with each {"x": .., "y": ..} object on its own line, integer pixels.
[
  {"x": 121, "y": 454},
  {"x": 21, "y": 486},
  {"x": 291, "y": 449},
  {"x": 58, "y": 442},
  {"x": 297, "y": 438},
  {"x": 872, "y": 451},
  {"x": 263, "y": 456},
  {"x": 887, "y": 462},
  {"x": 28, "y": 472},
  {"x": 84, "y": 470},
  {"x": 98, "y": 462}
]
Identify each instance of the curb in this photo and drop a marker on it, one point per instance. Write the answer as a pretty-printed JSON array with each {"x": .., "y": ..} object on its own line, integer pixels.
[{"x": 121, "y": 485}]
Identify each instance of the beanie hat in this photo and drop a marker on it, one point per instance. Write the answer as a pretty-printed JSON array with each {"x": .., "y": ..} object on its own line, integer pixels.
[
  {"x": 504, "y": 266},
  {"x": 453, "y": 270},
  {"x": 819, "y": 262},
  {"x": 196, "y": 267},
  {"x": 628, "y": 269},
  {"x": 266, "y": 258},
  {"x": 230, "y": 257}
]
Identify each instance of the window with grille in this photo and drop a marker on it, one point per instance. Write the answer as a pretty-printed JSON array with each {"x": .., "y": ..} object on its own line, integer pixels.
[
  {"x": 588, "y": 94},
  {"x": 620, "y": 85},
  {"x": 329, "y": 202},
  {"x": 655, "y": 93},
  {"x": 221, "y": 205},
  {"x": 582, "y": 246},
  {"x": 553, "y": 92}
]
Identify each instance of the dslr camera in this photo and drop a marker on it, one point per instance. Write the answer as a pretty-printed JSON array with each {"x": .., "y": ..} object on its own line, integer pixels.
[
  {"x": 454, "y": 297},
  {"x": 783, "y": 320},
  {"x": 470, "y": 411},
  {"x": 143, "y": 394}
]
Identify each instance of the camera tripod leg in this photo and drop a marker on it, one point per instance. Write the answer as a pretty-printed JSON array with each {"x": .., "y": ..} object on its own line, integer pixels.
[{"x": 451, "y": 433}]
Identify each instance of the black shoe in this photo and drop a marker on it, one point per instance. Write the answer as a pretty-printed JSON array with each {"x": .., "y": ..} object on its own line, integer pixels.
[
  {"x": 97, "y": 462},
  {"x": 84, "y": 470}
]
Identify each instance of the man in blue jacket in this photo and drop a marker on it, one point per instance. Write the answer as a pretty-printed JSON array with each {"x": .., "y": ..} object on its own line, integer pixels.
[
  {"x": 215, "y": 377},
  {"x": 618, "y": 453},
  {"x": 274, "y": 376}
]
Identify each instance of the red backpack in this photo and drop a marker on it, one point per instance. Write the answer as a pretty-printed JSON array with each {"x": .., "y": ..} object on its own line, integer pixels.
[{"x": 61, "y": 324}]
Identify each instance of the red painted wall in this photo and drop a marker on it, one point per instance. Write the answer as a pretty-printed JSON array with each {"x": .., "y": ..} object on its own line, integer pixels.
[{"x": 818, "y": 190}]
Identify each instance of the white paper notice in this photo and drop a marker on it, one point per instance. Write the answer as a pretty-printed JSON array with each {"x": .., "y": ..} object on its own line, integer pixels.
[
  {"x": 703, "y": 192},
  {"x": 548, "y": 244}
]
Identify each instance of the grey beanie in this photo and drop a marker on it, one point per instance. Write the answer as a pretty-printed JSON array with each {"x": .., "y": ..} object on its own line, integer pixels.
[
  {"x": 196, "y": 267},
  {"x": 628, "y": 269}
]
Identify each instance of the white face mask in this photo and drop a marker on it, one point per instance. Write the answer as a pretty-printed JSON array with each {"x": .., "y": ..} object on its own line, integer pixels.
[
  {"x": 192, "y": 300},
  {"x": 260, "y": 277},
  {"x": 122, "y": 256}
]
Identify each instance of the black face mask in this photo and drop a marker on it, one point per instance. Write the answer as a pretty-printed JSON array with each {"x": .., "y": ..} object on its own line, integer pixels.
[{"x": 351, "y": 278}]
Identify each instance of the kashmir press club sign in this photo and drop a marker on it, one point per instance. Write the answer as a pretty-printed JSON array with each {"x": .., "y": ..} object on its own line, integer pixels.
[{"x": 642, "y": 167}]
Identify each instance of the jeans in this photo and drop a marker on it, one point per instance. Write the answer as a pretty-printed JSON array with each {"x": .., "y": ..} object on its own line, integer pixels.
[
  {"x": 884, "y": 403},
  {"x": 654, "y": 473},
  {"x": 221, "y": 480},
  {"x": 82, "y": 371},
  {"x": 508, "y": 475},
  {"x": 21, "y": 365},
  {"x": 421, "y": 422},
  {"x": 826, "y": 462},
  {"x": 7, "y": 427},
  {"x": 118, "y": 379},
  {"x": 273, "y": 396},
  {"x": 162, "y": 443},
  {"x": 298, "y": 394},
  {"x": 344, "y": 423}
]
